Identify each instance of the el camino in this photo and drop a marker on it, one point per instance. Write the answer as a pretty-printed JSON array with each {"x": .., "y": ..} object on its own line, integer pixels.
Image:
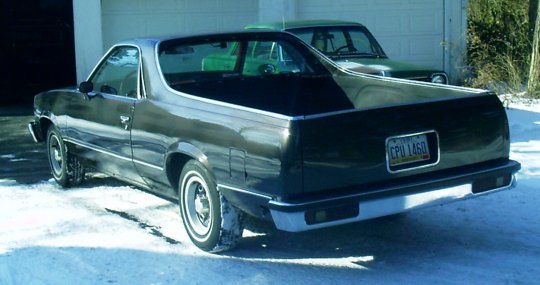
[{"x": 260, "y": 123}]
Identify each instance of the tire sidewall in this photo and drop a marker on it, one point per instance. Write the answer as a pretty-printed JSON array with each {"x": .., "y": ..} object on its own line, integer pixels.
[
  {"x": 210, "y": 240},
  {"x": 62, "y": 177}
]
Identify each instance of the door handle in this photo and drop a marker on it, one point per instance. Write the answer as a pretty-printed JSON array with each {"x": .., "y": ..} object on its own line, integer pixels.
[{"x": 125, "y": 121}]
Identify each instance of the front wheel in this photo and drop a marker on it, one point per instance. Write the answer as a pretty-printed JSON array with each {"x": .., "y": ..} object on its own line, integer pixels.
[
  {"x": 66, "y": 169},
  {"x": 212, "y": 223}
]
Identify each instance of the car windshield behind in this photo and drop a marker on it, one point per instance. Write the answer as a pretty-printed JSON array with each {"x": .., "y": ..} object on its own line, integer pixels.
[{"x": 340, "y": 41}]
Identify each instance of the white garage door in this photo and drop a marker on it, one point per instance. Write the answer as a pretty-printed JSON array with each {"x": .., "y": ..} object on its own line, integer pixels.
[
  {"x": 124, "y": 19},
  {"x": 408, "y": 30}
]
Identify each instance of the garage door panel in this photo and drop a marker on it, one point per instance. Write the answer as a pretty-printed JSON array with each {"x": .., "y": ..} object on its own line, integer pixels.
[
  {"x": 423, "y": 47},
  {"x": 239, "y": 6},
  {"x": 139, "y": 18},
  {"x": 161, "y": 24},
  {"x": 424, "y": 4},
  {"x": 235, "y": 21},
  {"x": 207, "y": 5},
  {"x": 387, "y": 3},
  {"x": 391, "y": 25},
  {"x": 425, "y": 23},
  {"x": 121, "y": 6},
  {"x": 200, "y": 23},
  {"x": 159, "y": 5}
]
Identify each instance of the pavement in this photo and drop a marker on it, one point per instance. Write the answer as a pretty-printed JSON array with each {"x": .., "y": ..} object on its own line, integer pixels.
[{"x": 21, "y": 159}]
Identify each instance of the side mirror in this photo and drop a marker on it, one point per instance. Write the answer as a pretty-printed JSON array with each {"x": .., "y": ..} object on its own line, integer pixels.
[{"x": 86, "y": 87}]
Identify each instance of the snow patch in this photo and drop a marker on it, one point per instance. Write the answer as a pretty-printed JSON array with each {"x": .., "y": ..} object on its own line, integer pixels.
[{"x": 7, "y": 156}]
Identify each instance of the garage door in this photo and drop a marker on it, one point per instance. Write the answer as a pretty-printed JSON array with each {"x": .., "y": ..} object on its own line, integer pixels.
[
  {"x": 408, "y": 30},
  {"x": 138, "y": 18}
]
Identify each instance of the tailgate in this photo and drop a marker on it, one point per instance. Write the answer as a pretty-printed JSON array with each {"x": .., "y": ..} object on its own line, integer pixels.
[{"x": 366, "y": 146}]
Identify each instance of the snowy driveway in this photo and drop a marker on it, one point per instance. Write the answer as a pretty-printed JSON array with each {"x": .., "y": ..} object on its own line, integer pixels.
[{"x": 105, "y": 232}]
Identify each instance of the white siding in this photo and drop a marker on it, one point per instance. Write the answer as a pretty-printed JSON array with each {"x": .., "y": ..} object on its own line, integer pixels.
[{"x": 124, "y": 19}]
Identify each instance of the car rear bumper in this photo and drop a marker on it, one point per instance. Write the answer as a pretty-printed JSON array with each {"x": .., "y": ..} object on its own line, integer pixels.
[{"x": 388, "y": 200}]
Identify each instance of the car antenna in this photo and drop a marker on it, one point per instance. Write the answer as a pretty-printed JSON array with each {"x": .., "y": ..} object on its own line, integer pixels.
[{"x": 283, "y": 21}]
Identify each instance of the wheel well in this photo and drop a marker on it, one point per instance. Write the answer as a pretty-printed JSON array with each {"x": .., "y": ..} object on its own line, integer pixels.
[
  {"x": 44, "y": 124},
  {"x": 174, "y": 166}
]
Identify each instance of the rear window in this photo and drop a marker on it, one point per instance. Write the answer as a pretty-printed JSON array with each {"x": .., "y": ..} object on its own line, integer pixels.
[
  {"x": 207, "y": 61},
  {"x": 274, "y": 75}
]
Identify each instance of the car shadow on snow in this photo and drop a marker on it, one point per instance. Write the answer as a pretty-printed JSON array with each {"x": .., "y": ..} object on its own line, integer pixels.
[
  {"x": 424, "y": 240},
  {"x": 388, "y": 239}
]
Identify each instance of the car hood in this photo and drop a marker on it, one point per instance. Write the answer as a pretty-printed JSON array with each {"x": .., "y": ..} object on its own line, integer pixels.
[{"x": 390, "y": 67}]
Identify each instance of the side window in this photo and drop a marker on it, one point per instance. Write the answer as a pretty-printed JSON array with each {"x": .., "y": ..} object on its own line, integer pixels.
[{"x": 118, "y": 74}]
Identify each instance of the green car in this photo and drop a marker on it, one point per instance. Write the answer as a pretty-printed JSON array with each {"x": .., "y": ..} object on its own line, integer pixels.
[{"x": 352, "y": 46}]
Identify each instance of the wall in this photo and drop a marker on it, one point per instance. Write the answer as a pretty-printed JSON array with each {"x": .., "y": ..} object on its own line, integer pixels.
[{"x": 423, "y": 31}]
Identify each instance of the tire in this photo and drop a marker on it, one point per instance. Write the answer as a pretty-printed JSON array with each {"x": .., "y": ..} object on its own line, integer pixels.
[
  {"x": 212, "y": 223},
  {"x": 66, "y": 169}
]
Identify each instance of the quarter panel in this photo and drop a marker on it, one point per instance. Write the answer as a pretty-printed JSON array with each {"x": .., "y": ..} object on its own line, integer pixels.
[{"x": 209, "y": 133}]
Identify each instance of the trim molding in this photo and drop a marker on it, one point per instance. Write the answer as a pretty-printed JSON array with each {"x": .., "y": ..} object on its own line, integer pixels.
[{"x": 104, "y": 151}]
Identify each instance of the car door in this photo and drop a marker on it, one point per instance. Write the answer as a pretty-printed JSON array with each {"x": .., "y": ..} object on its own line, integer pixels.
[{"x": 99, "y": 123}]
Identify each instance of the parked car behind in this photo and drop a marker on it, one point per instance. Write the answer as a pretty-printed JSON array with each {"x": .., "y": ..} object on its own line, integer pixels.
[
  {"x": 227, "y": 129},
  {"x": 352, "y": 46}
]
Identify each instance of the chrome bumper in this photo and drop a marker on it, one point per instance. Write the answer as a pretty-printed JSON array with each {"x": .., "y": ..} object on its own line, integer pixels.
[{"x": 296, "y": 217}]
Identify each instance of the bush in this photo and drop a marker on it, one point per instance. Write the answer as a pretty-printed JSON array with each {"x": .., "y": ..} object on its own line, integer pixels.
[{"x": 499, "y": 47}]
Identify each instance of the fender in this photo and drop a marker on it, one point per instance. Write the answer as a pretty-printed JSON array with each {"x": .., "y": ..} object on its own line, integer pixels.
[
  {"x": 38, "y": 128},
  {"x": 188, "y": 151}
]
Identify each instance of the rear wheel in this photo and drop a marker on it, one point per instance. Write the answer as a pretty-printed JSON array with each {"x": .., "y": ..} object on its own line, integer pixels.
[
  {"x": 66, "y": 169},
  {"x": 212, "y": 223}
]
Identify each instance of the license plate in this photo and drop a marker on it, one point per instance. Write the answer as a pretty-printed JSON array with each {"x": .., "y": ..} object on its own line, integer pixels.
[{"x": 407, "y": 149}]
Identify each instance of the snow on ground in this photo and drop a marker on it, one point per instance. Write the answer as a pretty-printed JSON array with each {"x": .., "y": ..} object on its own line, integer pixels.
[{"x": 105, "y": 232}]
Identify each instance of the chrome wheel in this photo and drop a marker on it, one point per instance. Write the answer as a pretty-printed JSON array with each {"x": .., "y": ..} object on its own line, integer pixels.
[
  {"x": 211, "y": 222},
  {"x": 66, "y": 169},
  {"x": 56, "y": 155},
  {"x": 197, "y": 204}
]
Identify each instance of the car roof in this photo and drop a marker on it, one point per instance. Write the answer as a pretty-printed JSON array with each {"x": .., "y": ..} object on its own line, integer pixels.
[{"x": 284, "y": 25}]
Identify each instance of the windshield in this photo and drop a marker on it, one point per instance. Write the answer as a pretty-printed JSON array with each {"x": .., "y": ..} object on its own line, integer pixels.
[{"x": 346, "y": 41}]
